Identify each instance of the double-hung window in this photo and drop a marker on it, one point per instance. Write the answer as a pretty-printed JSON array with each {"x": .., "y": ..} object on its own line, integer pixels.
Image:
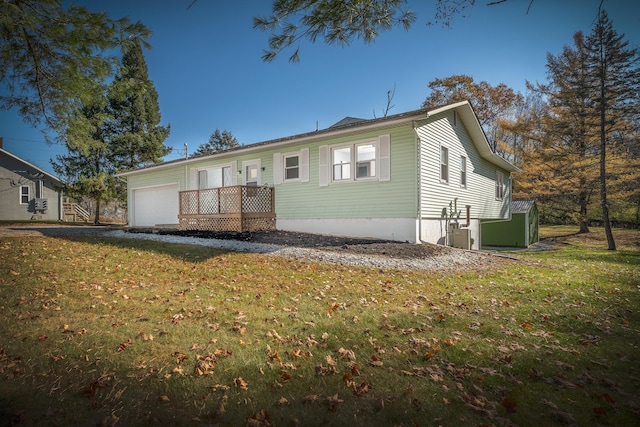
[
  {"x": 24, "y": 195},
  {"x": 444, "y": 164},
  {"x": 291, "y": 167},
  {"x": 499, "y": 185},
  {"x": 365, "y": 161},
  {"x": 463, "y": 171},
  {"x": 356, "y": 161},
  {"x": 341, "y": 159}
]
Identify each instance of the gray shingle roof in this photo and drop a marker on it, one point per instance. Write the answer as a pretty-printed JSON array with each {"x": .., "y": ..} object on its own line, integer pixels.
[{"x": 521, "y": 206}]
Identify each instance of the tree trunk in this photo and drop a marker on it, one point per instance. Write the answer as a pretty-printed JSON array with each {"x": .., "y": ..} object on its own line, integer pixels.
[
  {"x": 584, "y": 202},
  {"x": 603, "y": 171},
  {"x": 96, "y": 219}
]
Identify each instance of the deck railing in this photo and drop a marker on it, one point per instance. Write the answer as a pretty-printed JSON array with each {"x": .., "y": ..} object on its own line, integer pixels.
[{"x": 236, "y": 208}]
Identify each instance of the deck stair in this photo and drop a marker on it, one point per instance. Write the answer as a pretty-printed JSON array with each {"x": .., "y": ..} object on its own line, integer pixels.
[{"x": 75, "y": 213}]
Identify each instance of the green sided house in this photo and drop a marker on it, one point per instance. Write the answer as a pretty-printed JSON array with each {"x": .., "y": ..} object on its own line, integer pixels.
[{"x": 420, "y": 176}]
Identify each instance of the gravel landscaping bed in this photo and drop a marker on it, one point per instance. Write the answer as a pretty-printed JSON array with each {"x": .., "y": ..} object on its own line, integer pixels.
[{"x": 331, "y": 249}]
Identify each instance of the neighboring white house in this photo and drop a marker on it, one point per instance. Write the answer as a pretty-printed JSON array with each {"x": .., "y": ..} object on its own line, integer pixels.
[
  {"x": 420, "y": 176},
  {"x": 26, "y": 191}
]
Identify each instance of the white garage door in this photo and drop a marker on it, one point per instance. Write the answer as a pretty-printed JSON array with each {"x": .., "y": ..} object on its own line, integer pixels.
[{"x": 155, "y": 205}]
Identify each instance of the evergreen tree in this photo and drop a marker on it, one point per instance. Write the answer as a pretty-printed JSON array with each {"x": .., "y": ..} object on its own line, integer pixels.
[
  {"x": 87, "y": 169},
  {"x": 568, "y": 150},
  {"x": 615, "y": 71},
  {"x": 53, "y": 58},
  {"x": 218, "y": 141},
  {"x": 138, "y": 138},
  {"x": 115, "y": 130}
]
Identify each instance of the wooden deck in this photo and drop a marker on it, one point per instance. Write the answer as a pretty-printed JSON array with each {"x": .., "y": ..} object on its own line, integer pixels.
[{"x": 236, "y": 208}]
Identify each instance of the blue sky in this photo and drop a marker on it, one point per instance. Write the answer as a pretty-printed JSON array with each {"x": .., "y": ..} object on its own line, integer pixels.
[{"x": 206, "y": 65}]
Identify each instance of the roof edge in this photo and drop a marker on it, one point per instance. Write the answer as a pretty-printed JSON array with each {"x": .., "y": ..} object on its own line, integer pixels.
[{"x": 53, "y": 177}]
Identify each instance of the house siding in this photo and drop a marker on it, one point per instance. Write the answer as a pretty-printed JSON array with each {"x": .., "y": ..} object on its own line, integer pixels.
[
  {"x": 355, "y": 199},
  {"x": 15, "y": 174},
  {"x": 437, "y": 197}
]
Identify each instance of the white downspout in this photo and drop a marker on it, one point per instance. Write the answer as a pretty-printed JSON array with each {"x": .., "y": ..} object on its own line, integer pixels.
[{"x": 419, "y": 159}]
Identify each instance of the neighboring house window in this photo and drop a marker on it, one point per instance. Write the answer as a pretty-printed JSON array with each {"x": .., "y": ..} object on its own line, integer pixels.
[
  {"x": 463, "y": 171},
  {"x": 444, "y": 164},
  {"x": 292, "y": 167},
  {"x": 499, "y": 185},
  {"x": 365, "y": 161},
  {"x": 24, "y": 195}
]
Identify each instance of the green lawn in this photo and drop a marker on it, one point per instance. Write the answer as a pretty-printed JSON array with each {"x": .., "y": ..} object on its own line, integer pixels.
[{"x": 130, "y": 332}]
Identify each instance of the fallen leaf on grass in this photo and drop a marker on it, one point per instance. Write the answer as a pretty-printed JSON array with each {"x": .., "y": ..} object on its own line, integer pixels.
[
  {"x": 333, "y": 402},
  {"x": 123, "y": 346},
  {"x": 375, "y": 361},
  {"x": 204, "y": 365},
  {"x": 146, "y": 337},
  {"x": 241, "y": 383},
  {"x": 261, "y": 419},
  {"x": 180, "y": 357}
]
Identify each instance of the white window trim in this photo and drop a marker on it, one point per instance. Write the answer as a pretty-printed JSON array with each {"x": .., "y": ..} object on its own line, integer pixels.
[
  {"x": 353, "y": 161},
  {"x": 279, "y": 166},
  {"x": 284, "y": 166},
  {"x": 20, "y": 194},
  {"x": 383, "y": 161},
  {"x": 499, "y": 193},
  {"x": 440, "y": 164},
  {"x": 463, "y": 172}
]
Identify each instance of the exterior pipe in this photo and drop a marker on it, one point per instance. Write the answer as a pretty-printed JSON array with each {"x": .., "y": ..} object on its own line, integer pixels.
[
  {"x": 468, "y": 216},
  {"x": 418, "y": 144}
]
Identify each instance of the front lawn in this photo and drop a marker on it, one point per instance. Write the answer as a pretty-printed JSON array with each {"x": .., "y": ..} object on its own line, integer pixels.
[{"x": 100, "y": 331}]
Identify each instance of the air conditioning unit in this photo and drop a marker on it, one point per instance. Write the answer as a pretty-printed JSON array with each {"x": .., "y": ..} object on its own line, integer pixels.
[{"x": 461, "y": 238}]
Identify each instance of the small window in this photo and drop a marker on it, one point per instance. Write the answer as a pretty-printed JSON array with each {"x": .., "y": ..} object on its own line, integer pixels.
[
  {"x": 291, "y": 167},
  {"x": 455, "y": 118},
  {"x": 499, "y": 185},
  {"x": 366, "y": 161},
  {"x": 463, "y": 171},
  {"x": 24, "y": 195},
  {"x": 444, "y": 164},
  {"x": 342, "y": 164}
]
